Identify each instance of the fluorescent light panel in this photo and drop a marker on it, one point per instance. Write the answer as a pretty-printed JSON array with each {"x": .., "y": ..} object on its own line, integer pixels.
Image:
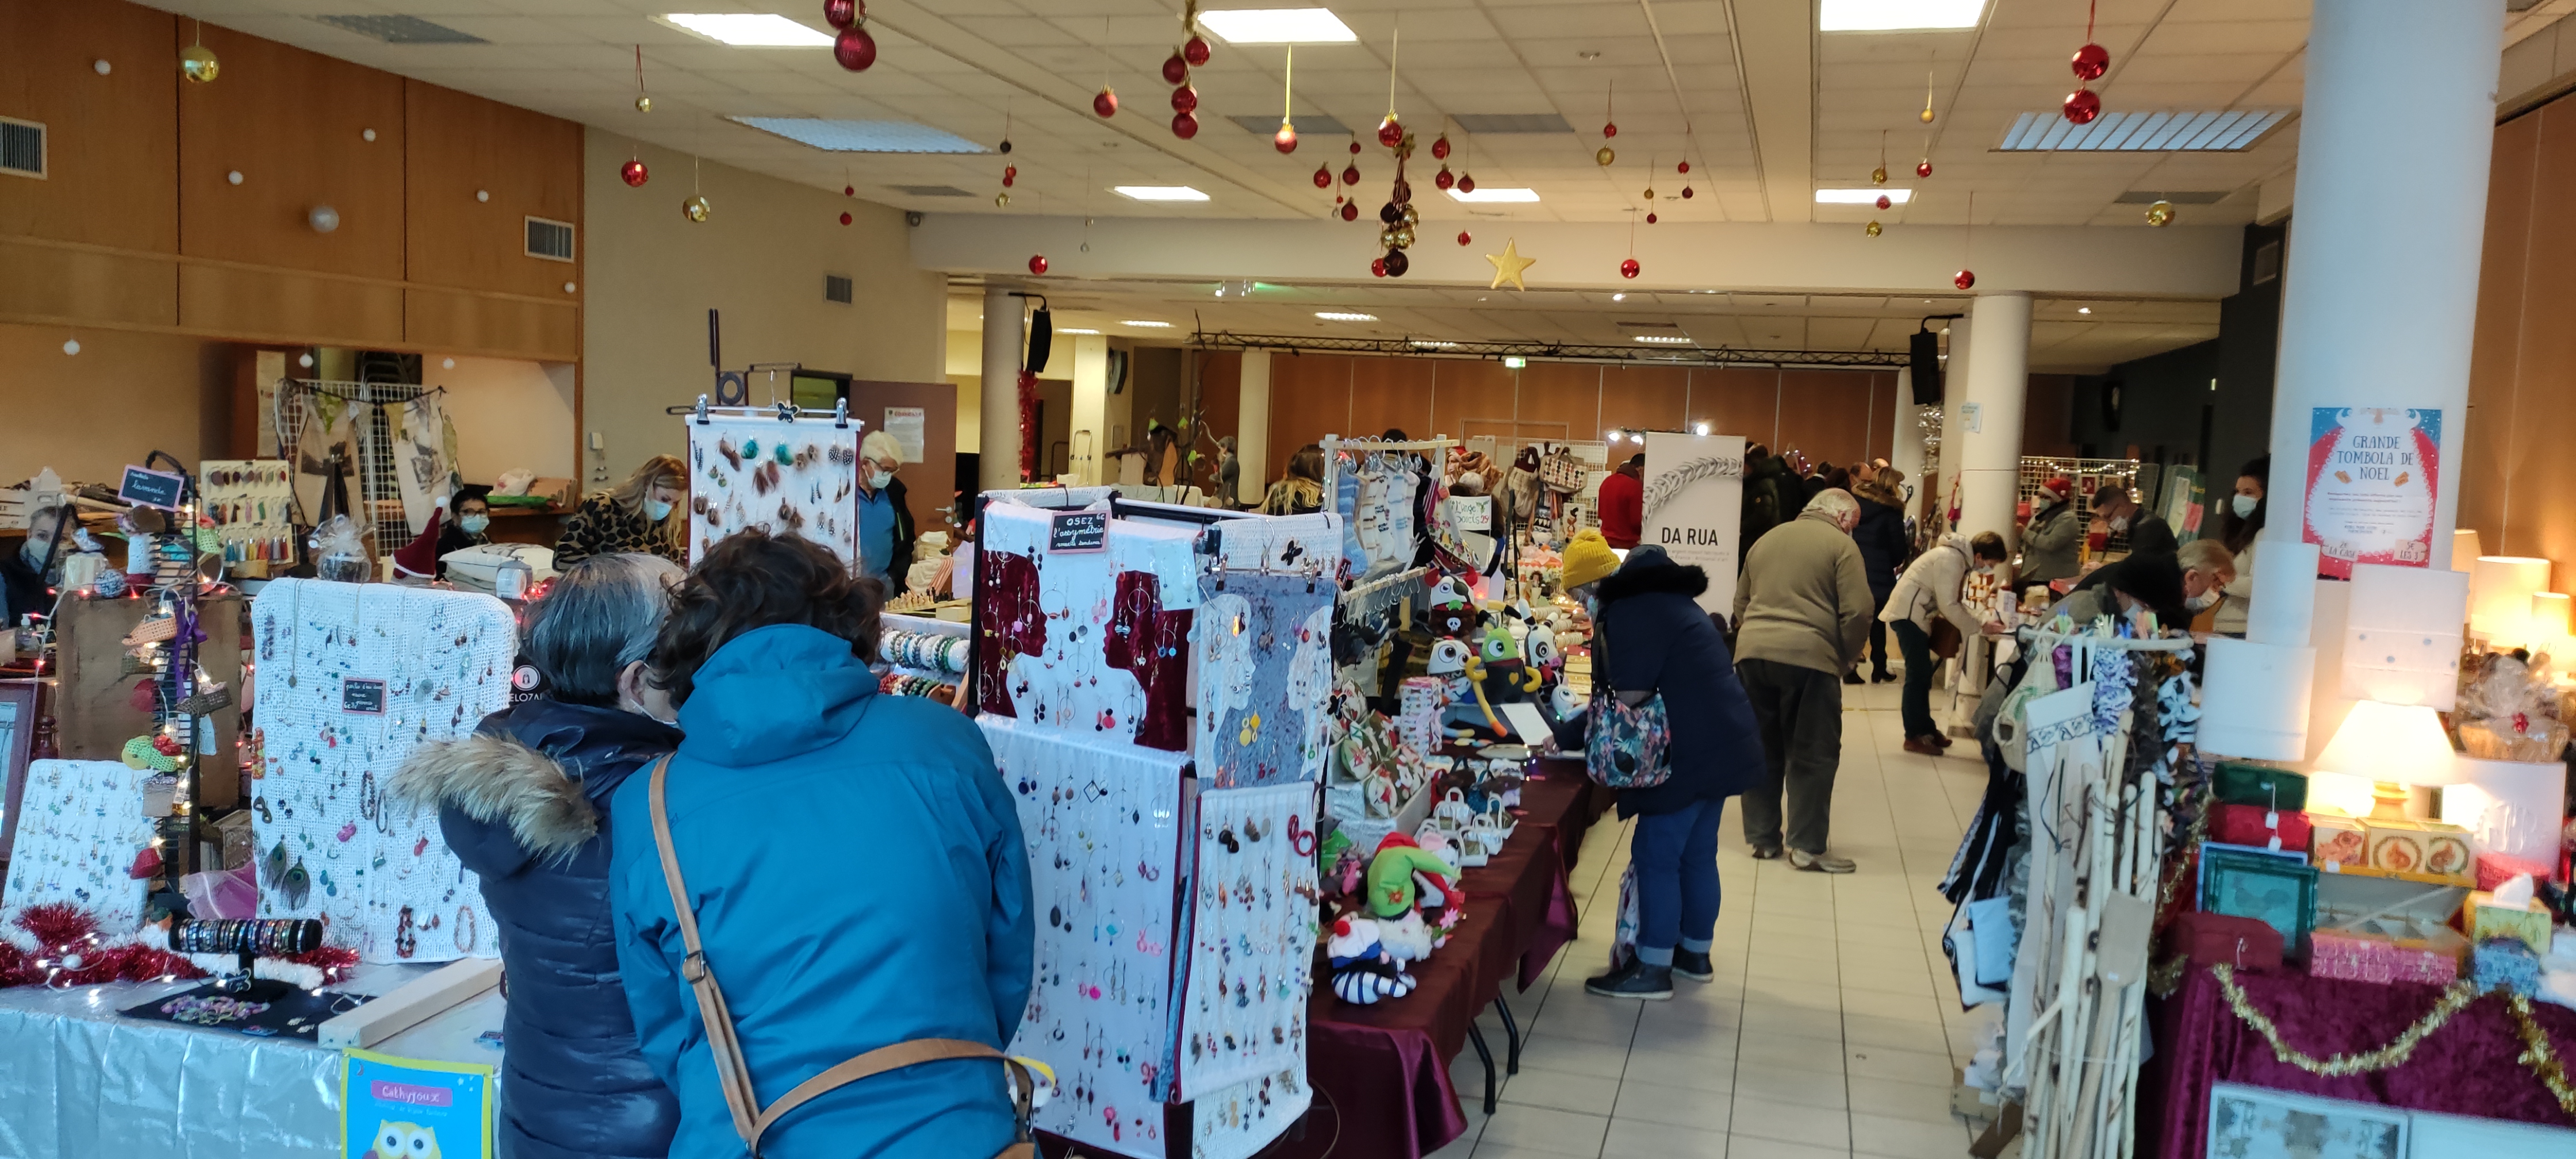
[
  {"x": 2221, "y": 131},
  {"x": 748, "y": 29},
  {"x": 837, "y": 136},
  {"x": 1076, "y": 330},
  {"x": 1897, "y": 15},
  {"x": 1146, "y": 322},
  {"x": 1278, "y": 26},
  {"x": 1344, "y": 316},
  {"x": 1863, "y": 196},
  {"x": 1664, "y": 339},
  {"x": 1158, "y": 193},
  {"x": 1490, "y": 193}
]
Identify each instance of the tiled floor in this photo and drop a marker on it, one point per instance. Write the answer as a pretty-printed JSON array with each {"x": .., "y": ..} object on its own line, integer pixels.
[{"x": 1831, "y": 1027}]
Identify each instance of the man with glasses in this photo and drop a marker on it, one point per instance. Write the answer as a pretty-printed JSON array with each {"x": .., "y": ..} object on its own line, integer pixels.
[{"x": 885, "y": 521}]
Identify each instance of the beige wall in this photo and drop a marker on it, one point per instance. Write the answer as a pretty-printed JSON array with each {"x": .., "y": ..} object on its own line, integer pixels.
[
  {"x": 123, "y": 396},
  {"x": 509, "y": 413},
  {"x": 760, "y": 258}
]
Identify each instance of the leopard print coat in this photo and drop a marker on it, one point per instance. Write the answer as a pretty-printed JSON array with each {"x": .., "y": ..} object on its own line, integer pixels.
[{"x": 597, "y": 527}]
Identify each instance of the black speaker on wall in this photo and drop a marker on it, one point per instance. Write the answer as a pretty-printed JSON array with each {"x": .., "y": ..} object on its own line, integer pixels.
[{"x": 1926, "y": 353}]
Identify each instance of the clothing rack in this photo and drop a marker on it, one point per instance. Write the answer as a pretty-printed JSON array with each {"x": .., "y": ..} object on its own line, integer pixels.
[
  {"x": 2035, "y": 637},
  {"x": 1374, "y": 596}
]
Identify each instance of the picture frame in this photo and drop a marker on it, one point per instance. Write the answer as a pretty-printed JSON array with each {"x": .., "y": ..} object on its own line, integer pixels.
[
  {"x": 19, "y": 701},
  {"x": 2247, "y": 1122},
  {"x": 2276, "y": 891}
]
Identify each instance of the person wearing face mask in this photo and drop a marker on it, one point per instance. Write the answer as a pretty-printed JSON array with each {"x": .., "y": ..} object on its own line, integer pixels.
[
  {"x": 886, "y": 534},
  {"x": 2238, "y": 529},
  {"x": 641, "y": 514},
  {"x": 2050, "y": 539},
  {"x": 522, "y": 802},
  {"x": 471, "y": 526},
  {"x": 1932, "y": 586},
  {"x": 28, "y": 572},
  {"x": 2115, "y": 512}
]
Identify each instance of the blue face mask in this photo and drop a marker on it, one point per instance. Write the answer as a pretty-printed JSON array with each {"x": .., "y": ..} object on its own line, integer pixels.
[
  {"x": 656, "y": 510},
  {"x": 474, "y": 524},
  {"x": 2245, "y": 505}
]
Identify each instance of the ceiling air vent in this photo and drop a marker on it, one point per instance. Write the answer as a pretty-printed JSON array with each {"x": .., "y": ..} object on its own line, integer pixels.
[
  {"x": 401, "y": 29},
  {"x": 551, "y": 240},
  {"x": 22, "y": 148},
  {"x": 1310, "y": 124},
  {"x": 930, "y": 191},
  {"x": 1513, "y": 123},
  {"x": 836, "y": 289}
]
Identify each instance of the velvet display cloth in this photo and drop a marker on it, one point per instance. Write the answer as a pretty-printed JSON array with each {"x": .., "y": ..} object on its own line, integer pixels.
[
  {"x": 1527, "y": 879},
  {"x": 1560, "y": 793},
  {"x": 2465, "y": 1068},
  {"x": 1381, "y": 1072}
]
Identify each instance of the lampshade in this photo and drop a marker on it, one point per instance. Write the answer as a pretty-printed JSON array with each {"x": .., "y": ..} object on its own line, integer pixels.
[
  {"x": 2465, "y": 549},
  {"x": 2500, "y": 591},
  {"x": 2388, "y": 742},
  {"x": 2549, "y": 616}
]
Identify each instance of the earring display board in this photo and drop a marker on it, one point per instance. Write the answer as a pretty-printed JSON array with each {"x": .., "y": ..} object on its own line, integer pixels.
[
  {"x": 800, "y": 476},
  {"x": 353, "y": 677},
  {"x": 251, "y": 502},
  {"x": 1251, "y": 937},
  {"x": 1240, "y": 1120},
  {"x": 1264, "y": 651},
  {"x": 1090, "y": 639},
  {"x": 1103, "y": 827},
  {"x": 82, "y": 826}
]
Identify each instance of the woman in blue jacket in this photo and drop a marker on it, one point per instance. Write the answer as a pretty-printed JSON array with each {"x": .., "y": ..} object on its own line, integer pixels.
[{"x": 853, "y": 860}]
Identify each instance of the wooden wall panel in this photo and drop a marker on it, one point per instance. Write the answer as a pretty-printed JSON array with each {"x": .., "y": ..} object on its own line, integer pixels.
[
  {"x": 111, "y": 141},
  {"x": 292, "y": 122},
  {"x": 1646, "y": 398},
  {"x": 1310, "y": 397},
  {"x": 42, "y": 281},
  {"x": 1471, "y": 398},
  {"x": 2538, "y": 515},
  {"x": 1559, "y": 400},
  {"x": 454, "y": 146},
  {"x": 2486, "y": 442},
  {"x": 930, "y": 485},
  {"x": 1392, "y": 394},
  {"x": 469, "y": 323},
  {"x": 1218, "y": 377},
  {"x": 2047, "y": 415},
  {"x": 1824, "y": 413},
  {"x": 285, "y": 306},
  {"x": 1738, "y": 401}
]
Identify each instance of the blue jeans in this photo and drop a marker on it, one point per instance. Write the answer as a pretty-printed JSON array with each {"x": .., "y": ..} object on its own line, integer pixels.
[{"x": 1675, "y": 855}]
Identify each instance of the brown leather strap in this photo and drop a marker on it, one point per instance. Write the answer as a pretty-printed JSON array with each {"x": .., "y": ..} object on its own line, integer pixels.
[{"x": 750, "y": 1121}]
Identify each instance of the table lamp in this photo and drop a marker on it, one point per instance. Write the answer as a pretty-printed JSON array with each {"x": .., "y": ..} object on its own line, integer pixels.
[
  {"x": 2500, "y": 591},
  {"x": 2549, "y": 623},
  {"x": 2465, "y": 549},
  {"x": 2392, "y": 746}
]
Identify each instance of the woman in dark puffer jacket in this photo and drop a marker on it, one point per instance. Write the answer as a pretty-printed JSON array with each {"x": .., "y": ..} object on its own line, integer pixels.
[{"x": 521, "y": 802}]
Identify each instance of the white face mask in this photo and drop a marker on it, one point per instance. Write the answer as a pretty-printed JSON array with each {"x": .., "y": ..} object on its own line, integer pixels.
[
  {"x": 2120, "y": 524},
  {"x": 33, "y": 551},
  {"x": 877, "y": 480},
  {"x": 656, "y": 510},
  {"x": 2202, "y": 601},
  {"x": 474, "y": 524},
  {"x": 2245, "y": 505}
]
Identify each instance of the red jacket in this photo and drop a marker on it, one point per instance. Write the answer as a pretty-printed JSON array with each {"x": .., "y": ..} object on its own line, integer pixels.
[{"x": 1623, "y": 509}]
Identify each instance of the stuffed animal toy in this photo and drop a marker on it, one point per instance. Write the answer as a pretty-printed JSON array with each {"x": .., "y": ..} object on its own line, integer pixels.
[
  {"x": 1545, "y": 658},
  {"x": 1402, "y": 877},
  {"x": 1451, "y": 612},
  {"x": 1406, "y": 938},
  {"x": 1468, "y": 713},
  {"x": 1363, "y": 970},
  {"x": 1507, "y": 678}
]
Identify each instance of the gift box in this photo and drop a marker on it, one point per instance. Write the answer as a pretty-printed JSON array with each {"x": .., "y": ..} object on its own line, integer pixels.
[
  {"x": 2275, "y": 829},
  {"x": 2412, "y": 953},
  {"x": 2277, "y": 890},
  {"x": 2419, "y": 847},
  {"x": 2486, "y": 921},
  {"x": 2337, "y": 838},
  {"x": 2209, "y": 939},
  {"x": 2239, "y": 783},
  {"x": 2495, "y": 869},
  {"x": 2507, "y": 964}
]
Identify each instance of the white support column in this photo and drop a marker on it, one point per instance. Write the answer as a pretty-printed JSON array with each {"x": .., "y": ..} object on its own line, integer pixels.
[
  {"x": 1089, "y": 424},
  {"x": 1988, "y": 432},
  {"x": 1954, "y": 398},
  {"x": 1005, "y": 331},
  {"x": 1252, "y": 438}
]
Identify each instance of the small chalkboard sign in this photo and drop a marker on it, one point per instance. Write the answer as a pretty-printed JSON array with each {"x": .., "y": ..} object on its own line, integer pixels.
[
  {"x": 145, "y": 488},
  {"x": 1075, "y": 531},
  {"x": 362, "y": 696}
]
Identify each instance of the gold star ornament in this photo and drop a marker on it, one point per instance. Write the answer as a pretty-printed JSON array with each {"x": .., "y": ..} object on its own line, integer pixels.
[{"x": 1509, "y": 265}]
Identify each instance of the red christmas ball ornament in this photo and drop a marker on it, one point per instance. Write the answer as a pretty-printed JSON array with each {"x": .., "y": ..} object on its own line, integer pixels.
[
  {"x": 1610, "y": 129},
  {"x": 1464, "y": 238},
  {"x": 1378, "y": 267},
  {"x": 1196, "y": 51},
  {"x": 1883, "y": 201},
  {"x": 1390, "y": 132},
  {"x": 2082, "y": 106},
  {"x": 1444, "y": 180},
  {"x": 1440, "y": 148},
  {"x": 1106, "y": 102},
  {"x": 1397, "y": 263},
  {"x": 1350, "y": 211},
  {"x": 849, "y": 191},
  {"x": 1629, "y": 268},
  {"x": 1964, "y": 279},
  {"x": 1285, "y": 140},
  {"x": 2091, "y": 61},
  {"x": 1466, "y": 183},
  {"x": 1355, "y": 148},
  {"x": 1185, "y": 125},
  {"x": 1350, "y": 174},
  {"x": 840, "y": 13},
  {"x": 1175, "y": 70},
  {"x": 1684, "y": 167},
  {"x": 854, "y": 49},
  {"x": 1037, "y": 263},
  {"x": 845, "y": 219},
  {"x": 1923, "y": 169},
  {"x": 633, "y": 173},
  {"x": 1324, "y": 178},
  {"x": 1650, "y": 219},
  {"x": 1185, "y": 99},
  {"x": 1686, "y": 193},
  {"x": 1010, "y": 174}
]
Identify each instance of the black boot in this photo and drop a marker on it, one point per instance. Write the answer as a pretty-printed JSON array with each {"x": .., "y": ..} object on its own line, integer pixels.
[
  {"x": 1634, "y": 980},
  {"x": 1695, "y": 967}
]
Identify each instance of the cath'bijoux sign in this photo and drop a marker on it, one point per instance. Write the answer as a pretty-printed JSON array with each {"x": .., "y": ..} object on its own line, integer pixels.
[{"x": 1694, "y": 506}]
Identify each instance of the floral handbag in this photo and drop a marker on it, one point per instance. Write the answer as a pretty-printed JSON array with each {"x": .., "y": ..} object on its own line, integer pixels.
[
  {"x": 1561, "y": 472},
  {"x": 1625, "y": 748}
]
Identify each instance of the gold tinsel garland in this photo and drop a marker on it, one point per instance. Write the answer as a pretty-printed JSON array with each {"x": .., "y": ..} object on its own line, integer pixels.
[
  {"x": 2166, "y": 976},
  {"x": 2538, "y": 1055},
  {"x": 2454, "y": 999}
]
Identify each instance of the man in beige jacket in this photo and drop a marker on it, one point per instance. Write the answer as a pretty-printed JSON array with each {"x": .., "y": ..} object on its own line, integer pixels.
[{"x": 1802, "y": 613}]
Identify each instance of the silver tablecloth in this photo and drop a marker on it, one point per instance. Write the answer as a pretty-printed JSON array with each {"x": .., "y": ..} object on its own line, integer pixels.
[{"x": 78, "y": 1082}]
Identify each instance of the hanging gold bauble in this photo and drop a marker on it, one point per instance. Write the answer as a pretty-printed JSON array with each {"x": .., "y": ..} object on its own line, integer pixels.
[
  {"x": 643, "y": 104},
  {"x": 1001, "y": 199},
  {"x": 197, "y": 63},
  {"x": 2160, "y": 214},
  {"x": 1927, "y": 114},
  {"x": 1650, "y": 193},
  {"x": 1412, "y": 216},
  {"x": 695, "y": 208},
  {"x": 1878, "y": 176},
  {"x": 1404, "y": 237},
  {"x": 1605, "y": 156},
  {"x": 1873, "y": 230}
]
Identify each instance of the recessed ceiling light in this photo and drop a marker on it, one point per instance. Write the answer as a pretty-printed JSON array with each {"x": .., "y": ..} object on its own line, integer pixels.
[
  {"x": 1897, "y": 15},
  {"x": 1863, "y": 196},
  {"x": 2227, "y": 131},
  {"x": 1490, "y": 193},
  {"x": 747, "y": 29},
  {"x": 1158, "y": 193},
  {"x": 1344, "y": 316},
  {"x": 1076, "y": 330},
  {"x": 1618, "y": 297},
  {"x": 1147, "y": 322},
  {"x": 2084, "y": 309},
  {"x": 1278, "y": 26},
  {"x": 1664, "y": 339}
]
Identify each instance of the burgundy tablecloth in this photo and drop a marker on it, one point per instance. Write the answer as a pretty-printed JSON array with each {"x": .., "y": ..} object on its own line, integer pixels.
[
  {"x": 2465, "y": 1068},
  {"x": 1527, "y": 880}
]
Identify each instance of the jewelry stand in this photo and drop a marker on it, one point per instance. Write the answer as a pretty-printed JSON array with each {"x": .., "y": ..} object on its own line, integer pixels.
[{"x": 276, "y": 937}]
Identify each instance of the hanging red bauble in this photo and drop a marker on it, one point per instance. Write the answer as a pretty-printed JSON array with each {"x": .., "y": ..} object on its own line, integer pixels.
[
  {"x": 2091, "y": 61},
  {"x": 1686, "y": 193},
  {"x": 1285, "y": 140},
  {"x": 1037, "y": 263},
  {"x": 1390, "y": 132},
  {"x": 2082, "y": 106},
  {"x": 1350, "y": 211},
  {"x": 1350, "y": 174},
  {"x": 1610, "y": 129},
  {"x": 1440, "y": 148},
  {"x": 1444, "y": 180},
  {"x": 1466, "y": 183},
  {"x": 1010, "y": 174},
  {"x": 1965, "y": 279},
  {"x": 1196, "y": 51},
  {"x": 1390, "y": 213},
  {"x": 1324, "y": 178},
  {"x": 1397, "y": 263},
  {"x": 1629, "y": 268},
  {"x": 1106, "y": 102},
  {"x": 845, "y": 219},
  {"x": 1378, "y": 267},
  {"x": 1185, "y": 125},
  {"x": 1684, "y": 167},
  {"x": 849, "y": 191},
  {"x": 854, "y": 49},
  {"x": 840, "y": 13},
  {"x": 1650, "y": 219},
  {"x": 1185, "y": 99},
  {"x": 1463, "y": 237},
  {"x": 1923, "y": 169},
  {"x": 1175, "y": 70},
  {"x": 1883, "y": 201},
  {"x": 633, "y": 173}
]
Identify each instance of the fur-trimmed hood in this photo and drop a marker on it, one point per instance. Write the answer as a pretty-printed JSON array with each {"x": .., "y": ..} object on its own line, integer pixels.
[
  {"x": 497, "y": 780},
  {"x": 1648, "y": 569}
]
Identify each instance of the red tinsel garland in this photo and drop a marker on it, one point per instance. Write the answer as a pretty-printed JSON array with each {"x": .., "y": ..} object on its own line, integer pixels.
[
  {"x": 69, "y": 952},
  {"x": 1028, "y": 425}
]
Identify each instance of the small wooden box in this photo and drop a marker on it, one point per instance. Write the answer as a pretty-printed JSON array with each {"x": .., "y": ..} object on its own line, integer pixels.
[
  {"x": 2419, "y": 847},
  {"x": 2337, "y": 838}
]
